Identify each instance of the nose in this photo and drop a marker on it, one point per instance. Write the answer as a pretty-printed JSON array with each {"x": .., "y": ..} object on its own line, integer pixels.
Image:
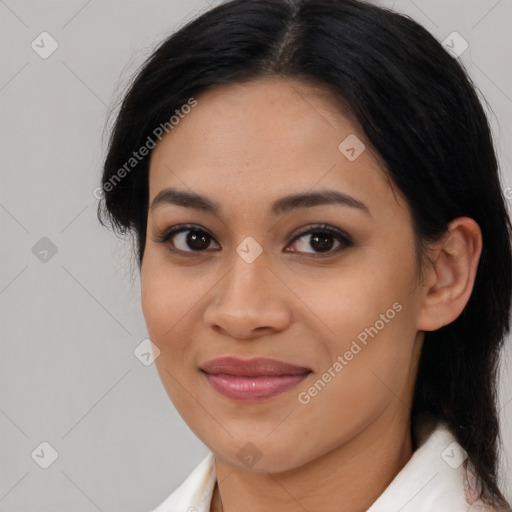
[{"x": 250, "y": 301}]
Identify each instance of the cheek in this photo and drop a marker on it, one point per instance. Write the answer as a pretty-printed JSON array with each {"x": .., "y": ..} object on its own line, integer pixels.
[
  {"x": 155, "y": 300},
  {"x": 171, "y": 298},
  {"x": 354, "y": 297},
  {"x": 376, "y": 333},
  {"x": 368, "y": 312},
  {"x": 163, "y": 306},
  {"x": 166, "y": 296}
]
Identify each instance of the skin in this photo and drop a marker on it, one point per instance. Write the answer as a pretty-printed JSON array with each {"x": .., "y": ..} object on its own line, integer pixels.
[{"x": 348, "y": 443}]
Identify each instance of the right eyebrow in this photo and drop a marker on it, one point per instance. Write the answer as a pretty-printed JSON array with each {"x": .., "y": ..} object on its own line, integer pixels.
[{"x": 187, "y": 200}]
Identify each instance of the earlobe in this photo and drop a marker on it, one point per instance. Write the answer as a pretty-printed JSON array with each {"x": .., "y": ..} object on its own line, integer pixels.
[{"x": 452, "y": 275}]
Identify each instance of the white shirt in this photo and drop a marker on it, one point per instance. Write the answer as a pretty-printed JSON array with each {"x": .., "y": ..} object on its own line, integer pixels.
[{"x": 433, "y": 480}]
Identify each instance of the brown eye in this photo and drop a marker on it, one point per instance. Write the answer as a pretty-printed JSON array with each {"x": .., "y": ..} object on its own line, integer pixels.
[
  {"x": 322, "y": 239},
  {"x": 187, "y": 239}
]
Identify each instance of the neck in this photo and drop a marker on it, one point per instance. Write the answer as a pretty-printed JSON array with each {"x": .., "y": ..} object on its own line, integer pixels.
[{"x": 353, "y": 475}]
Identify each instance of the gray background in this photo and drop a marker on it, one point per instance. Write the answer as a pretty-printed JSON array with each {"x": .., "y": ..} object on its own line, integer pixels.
[{"x": 69, "y": 325}]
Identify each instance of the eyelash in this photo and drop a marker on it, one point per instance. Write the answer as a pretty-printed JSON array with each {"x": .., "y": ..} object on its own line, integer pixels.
[{"x": 339, "y": 235}]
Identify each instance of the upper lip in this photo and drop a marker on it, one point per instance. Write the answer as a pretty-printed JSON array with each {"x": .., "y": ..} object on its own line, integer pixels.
[{"x": 256, "y": 367}]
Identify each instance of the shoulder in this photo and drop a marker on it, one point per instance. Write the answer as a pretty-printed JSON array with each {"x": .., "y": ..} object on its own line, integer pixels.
[
  {"x": 195, "y": 493},
  {"x": 435, "y": 479}
]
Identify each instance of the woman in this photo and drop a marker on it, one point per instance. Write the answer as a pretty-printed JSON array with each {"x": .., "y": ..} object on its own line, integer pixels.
[{"x": 325, "y": 258}]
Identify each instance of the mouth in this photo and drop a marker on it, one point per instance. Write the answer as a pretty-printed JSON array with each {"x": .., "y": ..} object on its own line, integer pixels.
[{"x": 252, "y": 379}]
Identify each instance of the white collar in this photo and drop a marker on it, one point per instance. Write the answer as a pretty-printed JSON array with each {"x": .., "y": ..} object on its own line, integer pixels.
[{"x": 433, "y": 480}]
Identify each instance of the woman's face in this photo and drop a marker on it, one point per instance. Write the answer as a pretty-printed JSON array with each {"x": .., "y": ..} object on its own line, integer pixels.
[{"x": 253, "y": 274}]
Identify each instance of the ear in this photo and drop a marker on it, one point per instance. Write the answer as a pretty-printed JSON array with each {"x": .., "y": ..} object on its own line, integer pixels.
[{"x": 450, "y": 275}]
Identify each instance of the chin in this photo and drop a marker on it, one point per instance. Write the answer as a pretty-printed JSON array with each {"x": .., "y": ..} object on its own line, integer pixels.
[{"x": 261, "y": 456}]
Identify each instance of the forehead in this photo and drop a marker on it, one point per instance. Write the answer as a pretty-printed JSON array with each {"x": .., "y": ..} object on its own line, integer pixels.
[{"x": 254, "y": 142}]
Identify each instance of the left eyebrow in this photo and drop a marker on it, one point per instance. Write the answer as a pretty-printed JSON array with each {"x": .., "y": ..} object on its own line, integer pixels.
[
  {"x": 307, "y": 200},
  {"x": 282, "y": 205}
]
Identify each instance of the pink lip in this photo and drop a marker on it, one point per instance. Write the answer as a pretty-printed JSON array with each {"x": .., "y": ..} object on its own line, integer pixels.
[{"x": 253, "y": 379}]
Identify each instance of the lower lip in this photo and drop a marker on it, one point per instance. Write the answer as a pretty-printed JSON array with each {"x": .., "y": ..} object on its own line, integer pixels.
[{"x": 253, "y": 388}]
